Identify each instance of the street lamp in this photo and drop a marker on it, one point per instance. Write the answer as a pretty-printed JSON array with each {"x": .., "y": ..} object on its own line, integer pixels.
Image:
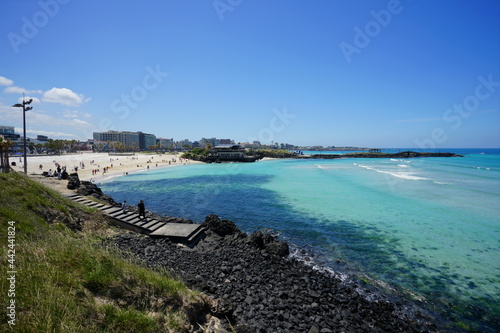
[{"x": 25, "y": 108}]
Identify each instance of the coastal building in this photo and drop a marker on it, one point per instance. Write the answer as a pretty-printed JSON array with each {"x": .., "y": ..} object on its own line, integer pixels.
[
  {"x": 8, "y": 132},
  {"x": 183, "y": 144},
  {"x": 129, "y": 139},
  {"x": 146, "y": 140},
  {"x": 165, "y": 144},
  {"x": 212, "y": 142},
  {"x": 228, "y": 153}
]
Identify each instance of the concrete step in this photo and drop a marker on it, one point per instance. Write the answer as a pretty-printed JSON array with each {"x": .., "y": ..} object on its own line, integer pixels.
[
  {"x": 119, "y": 214},
  {"x": 94, "y": 204},
  {"x": 134, "y": 221},
  {"x": 130, "y": 217},
  {"x": 196, "y": 235},
  {"x": 151, "y": 224},
  {"x": 156, "y": 226},
  {"x": 142, "y": 221},
  {"x": 103, "y": 208},
  {"x": 112, "y": 210},
  {"x": 177, "y": 232},
  {"x": 99, "y": 206}
]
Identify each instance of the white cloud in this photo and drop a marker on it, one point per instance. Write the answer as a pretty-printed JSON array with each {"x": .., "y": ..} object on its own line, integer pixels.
[
  {"x": 81, "y": 123},
  {"x": 75, "y": 114},
  {"x": 70, "y": 113},
  {"x": 36, "y": 100},
  {"x": 63, "y": 96},
  {"x": 40, "y": 122},
  {"x": 19, "y": 90},
  {"x": 5, "y": 81},
  {"x": 47, "y": 133}
]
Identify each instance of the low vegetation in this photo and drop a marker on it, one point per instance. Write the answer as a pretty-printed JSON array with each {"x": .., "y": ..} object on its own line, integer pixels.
[
  {"x": 201, "y": 153},
  {"x": 65, "y": 281},
  {"x": 273, "y": 153},
  {"x": 195, "y": 154}
]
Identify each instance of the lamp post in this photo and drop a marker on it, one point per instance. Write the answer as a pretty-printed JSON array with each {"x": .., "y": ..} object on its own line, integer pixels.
[{"x": 25, "y": 108}]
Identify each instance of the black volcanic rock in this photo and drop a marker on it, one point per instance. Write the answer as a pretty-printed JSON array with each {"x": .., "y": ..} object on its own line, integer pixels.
[
  {"x": 220, "y": 227},
  {"x": 266, "y": 241},
  {"x": 260, "y": 289},
  {"x": 73, "y": 181}
]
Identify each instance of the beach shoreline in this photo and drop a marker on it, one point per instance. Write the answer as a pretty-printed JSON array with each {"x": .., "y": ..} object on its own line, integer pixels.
[{"x": 92, "y": 166}]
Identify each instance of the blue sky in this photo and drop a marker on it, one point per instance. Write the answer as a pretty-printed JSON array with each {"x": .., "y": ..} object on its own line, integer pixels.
[{"x": 392, "y": 73}]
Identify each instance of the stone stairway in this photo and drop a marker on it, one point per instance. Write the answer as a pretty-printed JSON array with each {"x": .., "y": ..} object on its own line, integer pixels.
[{"x": 177, "y": 232}]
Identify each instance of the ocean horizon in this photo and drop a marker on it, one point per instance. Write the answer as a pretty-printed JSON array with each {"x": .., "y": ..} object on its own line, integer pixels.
[{"x": 424, "y": 228}]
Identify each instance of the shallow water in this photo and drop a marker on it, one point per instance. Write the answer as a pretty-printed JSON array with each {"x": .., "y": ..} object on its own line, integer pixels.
[{"x": 428, "y": 226}]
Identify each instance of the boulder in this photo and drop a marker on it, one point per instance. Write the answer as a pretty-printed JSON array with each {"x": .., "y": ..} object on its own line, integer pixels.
[
  {"x": 266, "y": 241},
  {"x": 82, "y": 191},
  {"x": 220, "y": 227},
  {"x": 73, "y": 181},
  {"x": 256, "y": 239},
  {"x": 278, "y": 248}
]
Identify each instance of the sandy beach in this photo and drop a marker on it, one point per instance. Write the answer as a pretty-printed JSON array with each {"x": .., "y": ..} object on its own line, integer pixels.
[{"x": 95, "y": 166}]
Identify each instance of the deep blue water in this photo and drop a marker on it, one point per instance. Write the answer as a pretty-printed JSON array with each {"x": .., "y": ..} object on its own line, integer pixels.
[{"x": 426, "y": 227}]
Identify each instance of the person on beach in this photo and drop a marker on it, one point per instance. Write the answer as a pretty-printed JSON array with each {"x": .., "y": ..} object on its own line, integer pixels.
[
  {"x": 124, "y": 206},
  {"x": 142, "y": 209}
]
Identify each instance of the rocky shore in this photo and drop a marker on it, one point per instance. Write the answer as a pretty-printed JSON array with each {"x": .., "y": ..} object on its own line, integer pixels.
[{"x": 261, "y": 288}]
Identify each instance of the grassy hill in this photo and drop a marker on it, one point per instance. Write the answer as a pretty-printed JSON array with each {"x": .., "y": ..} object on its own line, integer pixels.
[{"x": 65, "y": 282}]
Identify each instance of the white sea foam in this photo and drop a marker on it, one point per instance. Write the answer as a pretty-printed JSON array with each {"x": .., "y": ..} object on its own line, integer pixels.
[
  {"x": 402, "y": 166},
  {"x": 403, "y": 175}
]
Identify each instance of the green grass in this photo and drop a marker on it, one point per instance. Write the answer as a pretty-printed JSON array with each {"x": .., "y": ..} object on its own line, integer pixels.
[{"x": 65, "y": 282}]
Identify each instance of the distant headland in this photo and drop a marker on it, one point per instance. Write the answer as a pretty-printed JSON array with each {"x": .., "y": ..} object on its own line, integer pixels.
[
  {"x": 403, "y": 154},
  {"x": 235, "y": 153}
]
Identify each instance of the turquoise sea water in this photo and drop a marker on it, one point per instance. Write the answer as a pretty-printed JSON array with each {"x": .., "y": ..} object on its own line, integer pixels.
[{"x": 428, "y": 227}]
